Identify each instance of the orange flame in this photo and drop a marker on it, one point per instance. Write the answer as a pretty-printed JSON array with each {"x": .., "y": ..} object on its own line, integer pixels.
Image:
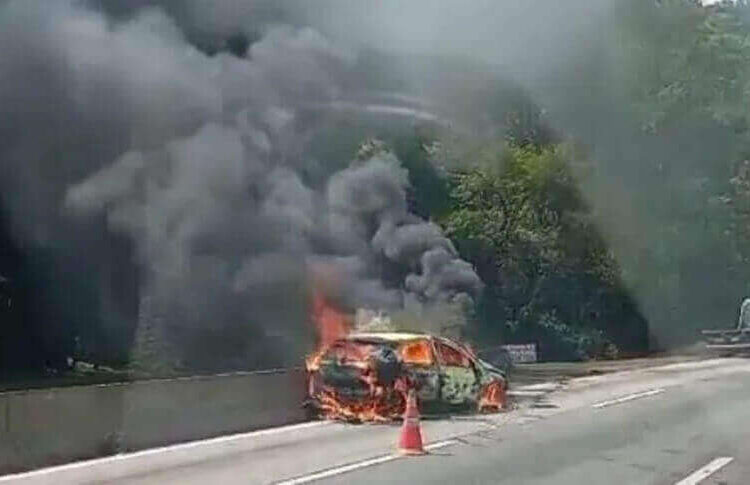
[
  {"x": 381, "y": 403},
  {"x": 331, "y": 324},
  {"x": 492, "y": 398},
  {"x": 418, "y": 353}
]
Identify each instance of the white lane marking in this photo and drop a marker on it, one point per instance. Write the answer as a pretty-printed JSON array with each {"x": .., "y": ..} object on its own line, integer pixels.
[
  {"x": 706, "y": 471},
  {"x": 629, "y": 397},
  {"x": 527, "y": 393},
  {"x": 163, "y": 449},
  {"x": 696, "y": 364},
  {"x": 440, "y": 444},
  {"x": 360, "y": 464},
  {"x": 543, "y": 386},
  {"x": 534, "y": 390}
]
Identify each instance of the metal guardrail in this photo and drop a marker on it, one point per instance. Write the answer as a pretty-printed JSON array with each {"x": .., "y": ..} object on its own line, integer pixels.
[
  {"x": 732, "y": 331},
  {"x": 745, "y": 346}
]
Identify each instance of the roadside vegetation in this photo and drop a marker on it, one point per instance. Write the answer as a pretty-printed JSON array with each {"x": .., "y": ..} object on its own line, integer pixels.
[
  {"x": 565, "y": 262},
  {"x": 620, "y": 229}
]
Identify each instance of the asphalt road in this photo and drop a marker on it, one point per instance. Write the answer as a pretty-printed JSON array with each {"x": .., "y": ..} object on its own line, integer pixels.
[
  {"x": 659, "y": 438},
  {"x": 645, "y": 425}
]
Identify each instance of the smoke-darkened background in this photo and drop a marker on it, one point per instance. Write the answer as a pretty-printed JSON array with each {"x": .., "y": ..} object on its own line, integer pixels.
[{"x": 174, "y": 173}]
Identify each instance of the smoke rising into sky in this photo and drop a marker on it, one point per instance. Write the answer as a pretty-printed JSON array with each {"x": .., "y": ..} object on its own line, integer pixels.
[{"x": 120, "y": 123}]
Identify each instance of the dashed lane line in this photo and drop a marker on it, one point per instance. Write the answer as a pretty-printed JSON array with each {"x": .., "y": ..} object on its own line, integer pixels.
[
  {"x": 629, "y": 397},
  {"x": 706, "y": 471}
]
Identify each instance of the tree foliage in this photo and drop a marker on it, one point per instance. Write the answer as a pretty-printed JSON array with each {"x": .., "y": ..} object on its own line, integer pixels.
[
  {"x": 685, "y": 74},
  {"x": 519, "y": 216}
]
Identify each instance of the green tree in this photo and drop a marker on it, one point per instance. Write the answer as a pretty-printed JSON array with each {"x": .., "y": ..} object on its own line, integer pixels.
[
  {"x": 519, "y": 217},
  {"x": 686, "y": 75}
]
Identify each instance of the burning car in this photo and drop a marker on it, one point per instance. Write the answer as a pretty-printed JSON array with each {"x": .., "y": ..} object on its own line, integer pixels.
[{"x": 364, "y": 376}]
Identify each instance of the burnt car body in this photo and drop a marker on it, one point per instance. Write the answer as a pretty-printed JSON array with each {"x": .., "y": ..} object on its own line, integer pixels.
[{"x": 364, "y": 376}]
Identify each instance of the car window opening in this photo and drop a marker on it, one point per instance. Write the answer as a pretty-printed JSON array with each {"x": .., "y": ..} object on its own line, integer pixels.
[
  {"x": 416, "y": 353},
  {"x": 451, "y": 357}
]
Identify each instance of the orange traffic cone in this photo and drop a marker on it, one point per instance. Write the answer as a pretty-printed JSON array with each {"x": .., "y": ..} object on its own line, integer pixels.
[{"x": 410, "y": 442}]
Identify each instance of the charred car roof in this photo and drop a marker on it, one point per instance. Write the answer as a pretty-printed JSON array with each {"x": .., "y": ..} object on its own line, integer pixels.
[{"x": 382, "y": 337}]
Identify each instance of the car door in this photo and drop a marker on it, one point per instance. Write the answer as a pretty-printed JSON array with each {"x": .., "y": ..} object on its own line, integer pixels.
[
  {"x": 458, "y": 379},
  {"x": 419, "y": 360}
]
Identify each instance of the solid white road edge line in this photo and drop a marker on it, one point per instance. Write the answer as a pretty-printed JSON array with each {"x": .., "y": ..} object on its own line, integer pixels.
[
  {"x": 629, "y": 397},
  {"x": 183, "y": 446},
  {"x": 360, "y": 464},
  {"x": 163, "y": 449},
  {"x": 706, "y": 471}
]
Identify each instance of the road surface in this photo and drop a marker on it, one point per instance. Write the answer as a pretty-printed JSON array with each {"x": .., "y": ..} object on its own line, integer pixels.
[{"x": 682, "y": 423}]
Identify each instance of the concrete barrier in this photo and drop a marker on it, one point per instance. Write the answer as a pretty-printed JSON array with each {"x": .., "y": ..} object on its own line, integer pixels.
[
  {"x": 46, "y": 427},
  {"x": 186, "y": 409}
]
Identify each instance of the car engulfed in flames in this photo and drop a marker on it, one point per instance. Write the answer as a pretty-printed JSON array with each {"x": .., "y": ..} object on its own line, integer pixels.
[{"x": 365, "y": 376}]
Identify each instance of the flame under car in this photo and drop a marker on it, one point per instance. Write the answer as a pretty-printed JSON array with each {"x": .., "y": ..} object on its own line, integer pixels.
[{"x": 364, "y": 377}]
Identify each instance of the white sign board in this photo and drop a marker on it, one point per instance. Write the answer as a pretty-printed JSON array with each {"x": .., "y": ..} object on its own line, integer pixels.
[{"x": 520, "y": 353}]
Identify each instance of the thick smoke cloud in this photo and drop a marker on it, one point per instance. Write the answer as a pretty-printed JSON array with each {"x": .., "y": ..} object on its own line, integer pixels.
[
  {"x": 120, "y": 125},
  {"x": 572, "y": 58},
  {"x": 117, "y": 113},
  {"x": 371, "y": 199}
]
